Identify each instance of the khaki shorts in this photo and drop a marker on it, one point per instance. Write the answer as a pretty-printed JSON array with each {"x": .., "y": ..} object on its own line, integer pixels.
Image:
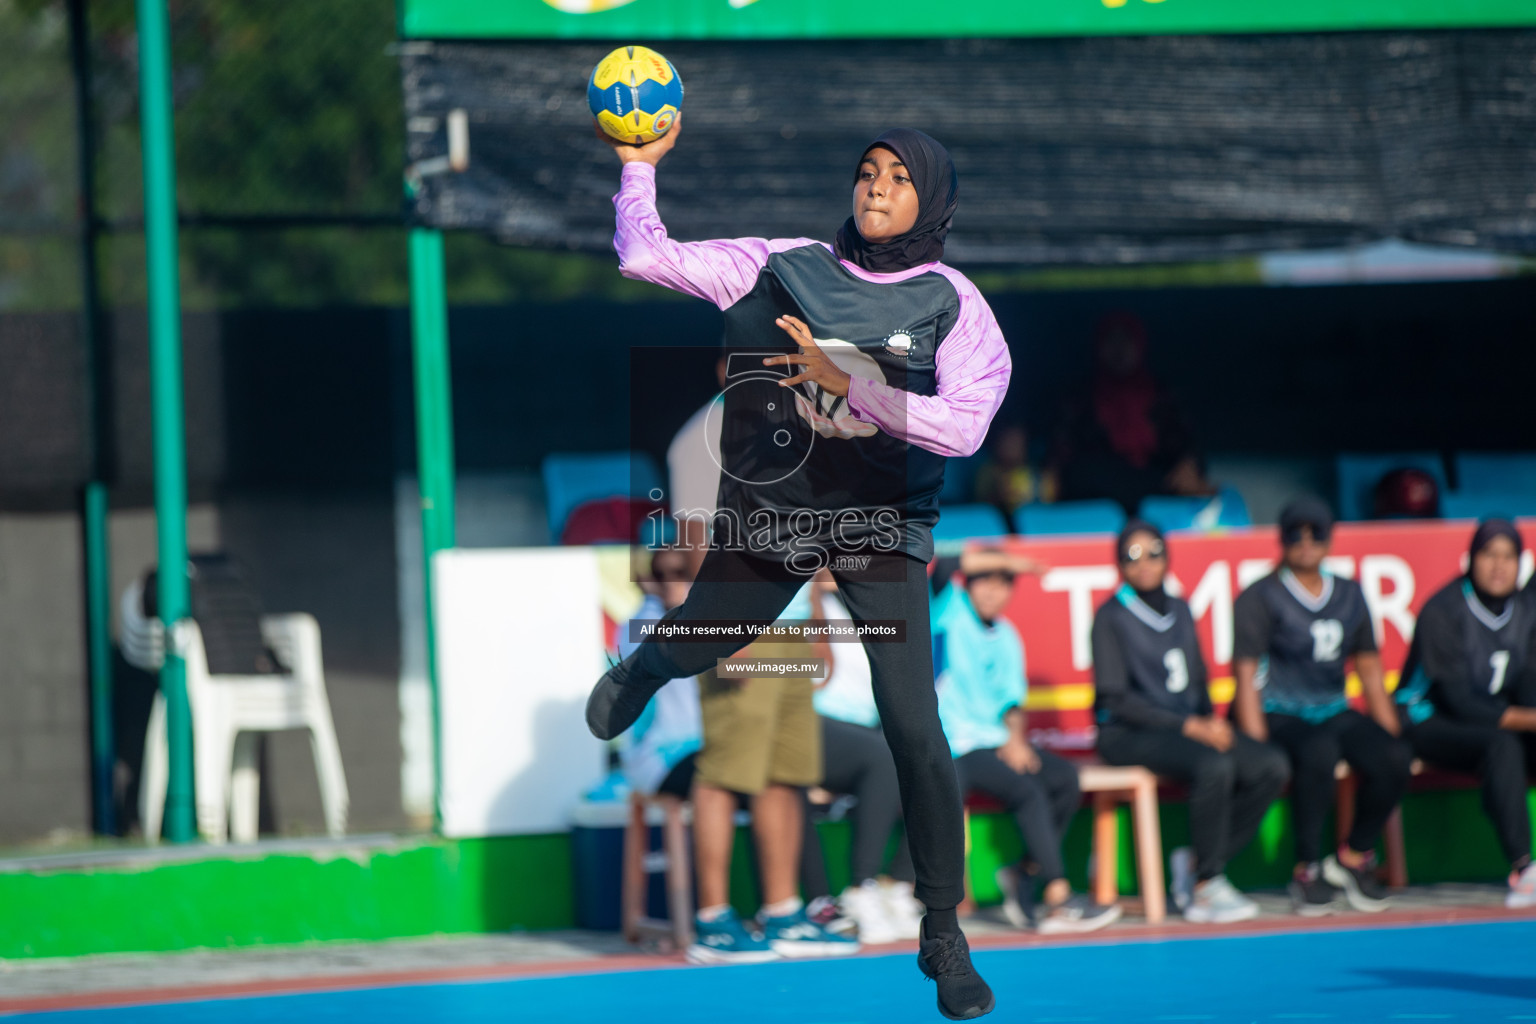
[{"x": 759, "y": 731}]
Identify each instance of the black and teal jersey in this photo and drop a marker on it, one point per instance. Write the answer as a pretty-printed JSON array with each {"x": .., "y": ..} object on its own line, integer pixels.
[
  {"x": 804, "y": 471},
  {"x": 1148, "y": 671},
  {"x": 1302, "y": 641},
  {"x": 1465, "y": 660},
  {"x": 801, "y": 467}
]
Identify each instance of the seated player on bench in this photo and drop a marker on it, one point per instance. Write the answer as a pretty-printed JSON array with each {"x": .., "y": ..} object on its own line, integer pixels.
[
  {"x": 1154, "y": 709},
  {"x": 978, "y": 660},
  {"x": 1471, "y": 652},
  {"x": 1294, "y": 632}
]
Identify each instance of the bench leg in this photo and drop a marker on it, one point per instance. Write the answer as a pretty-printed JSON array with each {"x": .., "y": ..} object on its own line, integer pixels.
[
  {"x": 636, "y": 843},
  {"x": 1344, "y": 808},
  {"x": 1149, "y": 852},
  {"x": 967, "y": 905},
  {"x": 1106, "y": 849},
  {"x": 1397, "y": 856},
  {"x": 679, "y": 875}
]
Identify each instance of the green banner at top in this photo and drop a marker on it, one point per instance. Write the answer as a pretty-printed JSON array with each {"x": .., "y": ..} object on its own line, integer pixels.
[{"x": 647, "y": 20}]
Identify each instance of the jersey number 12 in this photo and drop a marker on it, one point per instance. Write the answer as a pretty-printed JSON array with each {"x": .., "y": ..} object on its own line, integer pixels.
[{"x": 1327, "y": 639}]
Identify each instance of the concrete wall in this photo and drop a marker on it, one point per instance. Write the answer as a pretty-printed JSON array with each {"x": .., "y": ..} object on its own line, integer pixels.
[
  {"x": 332, "y": 555},
  {"x": 290, "y": 454},
  {"x": 45, "y": 743},
  {"x": 44, "y": 746}
]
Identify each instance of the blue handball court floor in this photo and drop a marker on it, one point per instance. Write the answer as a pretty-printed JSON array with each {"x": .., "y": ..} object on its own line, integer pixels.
[{"x": 1475, "y": 972}]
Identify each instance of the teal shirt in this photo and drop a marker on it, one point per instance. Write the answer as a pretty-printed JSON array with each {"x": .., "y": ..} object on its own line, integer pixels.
[{"x": 979, "y": 673}]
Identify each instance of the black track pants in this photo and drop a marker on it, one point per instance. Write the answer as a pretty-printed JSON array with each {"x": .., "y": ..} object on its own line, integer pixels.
[
  {"x": 1041, "y": 802},
  {"x": 733, "y": 586},
  {"x": 856, "y": 760},
  {"x": 1229, "y": 791},
  {"x": 1498, "y": 758},
  {"x": 1381, "y": 761}
]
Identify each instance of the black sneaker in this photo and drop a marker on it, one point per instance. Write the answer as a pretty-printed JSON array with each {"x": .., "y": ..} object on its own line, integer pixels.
[
  {"x": 947, "y": 960},
  {"x": 1360, "y": 885},
  {"x": 1078, "y": 914},
  {"x": 1312, "y": 895},
  {"x": 618, "y": 698}
]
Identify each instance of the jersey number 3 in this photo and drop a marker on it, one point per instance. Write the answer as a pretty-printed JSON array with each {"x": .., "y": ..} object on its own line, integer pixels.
[
  {"x": 1327, "y": 639},
  {"x": 1178, "y": 670}
]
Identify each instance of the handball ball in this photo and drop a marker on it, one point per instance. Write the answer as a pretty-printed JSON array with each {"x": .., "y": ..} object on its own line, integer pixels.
[{"x": 635, "y": 94}]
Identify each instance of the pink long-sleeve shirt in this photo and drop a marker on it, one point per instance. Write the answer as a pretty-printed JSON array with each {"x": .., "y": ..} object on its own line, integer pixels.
[{"x": 972, "y": 361}]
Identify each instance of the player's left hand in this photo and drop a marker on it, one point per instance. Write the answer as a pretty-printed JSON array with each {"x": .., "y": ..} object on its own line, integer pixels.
[{"x": 818, "y": 367}]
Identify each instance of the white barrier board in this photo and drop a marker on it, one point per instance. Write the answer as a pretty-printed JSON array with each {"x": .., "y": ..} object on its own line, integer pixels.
[{"x": 519, "y": 645}]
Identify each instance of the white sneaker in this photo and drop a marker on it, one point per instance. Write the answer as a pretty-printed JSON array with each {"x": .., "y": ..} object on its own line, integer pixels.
[
  {"x": 1361, "y": 889},
  {"x": 1218, "y": 902},
  {"x": 865, "y": 905},
  {"x": 1181, "y": 867},
  {"x": 1018, "y": 892},
  {"x": 1522, "y": 894},
  {"x": 902, "y": 910}
]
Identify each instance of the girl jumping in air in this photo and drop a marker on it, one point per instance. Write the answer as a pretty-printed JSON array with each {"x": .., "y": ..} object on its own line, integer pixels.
[{"x": 854, "y": 370}]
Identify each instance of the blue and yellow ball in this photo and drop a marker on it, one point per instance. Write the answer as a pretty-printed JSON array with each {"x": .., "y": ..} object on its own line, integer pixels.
[{"x": 635, "y": 94}]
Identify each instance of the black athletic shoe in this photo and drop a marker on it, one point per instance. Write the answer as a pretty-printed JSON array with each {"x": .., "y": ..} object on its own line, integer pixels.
[
  {"x": 947, "y": 960},
  {"x": 618, "y": 698},
  {"x": 1360, "y": 886},
  {"x": 1312, "y": 895}
]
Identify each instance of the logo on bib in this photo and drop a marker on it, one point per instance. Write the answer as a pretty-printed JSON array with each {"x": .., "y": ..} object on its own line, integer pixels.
[{"x": 899, "y": 344}]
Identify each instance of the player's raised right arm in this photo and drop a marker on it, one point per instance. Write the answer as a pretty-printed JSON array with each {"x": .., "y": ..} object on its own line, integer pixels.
[{"x": 720, "y": 271}]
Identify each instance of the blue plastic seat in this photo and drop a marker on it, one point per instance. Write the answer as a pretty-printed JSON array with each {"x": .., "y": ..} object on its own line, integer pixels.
[
  {"x": 1226, "y": 509},
  {"x": 960, "y": 523},
  {"x": 571, "y": 478},
  {"x": 1359, "y": 473},
  {"x": 1483, "y": 504},
  {"x": 1496, "y": 473},
  {"x": 1064, "y": 517},
  {"x": 960, "y": 479}
]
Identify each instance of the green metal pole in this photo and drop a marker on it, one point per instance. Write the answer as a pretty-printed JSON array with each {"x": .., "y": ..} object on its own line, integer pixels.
[
  {"x": 434, "y": 447},
  {"x": 99, "y": 628},
  {"x": 166, "y": 398},
  {"x": 98, "y": 582}
]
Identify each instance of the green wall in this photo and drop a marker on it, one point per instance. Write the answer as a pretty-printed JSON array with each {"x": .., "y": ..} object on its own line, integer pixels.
[
  {"x": 417, "y": 888},
  {"x": 1446, "y": 835},
  {"x": 438, "y": 886}
]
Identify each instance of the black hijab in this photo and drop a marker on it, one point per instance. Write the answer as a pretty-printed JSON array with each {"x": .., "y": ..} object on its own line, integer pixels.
[
  {"x": 938, "y": 189},
  {"x": 1157, "y": 597},
  {"x": 1487, "y": 530}
]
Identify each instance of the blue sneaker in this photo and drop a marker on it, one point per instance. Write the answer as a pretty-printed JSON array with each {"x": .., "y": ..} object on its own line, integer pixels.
[
  {"x": 614, "y": 787},
  {"x": 727, "y": 941},
  {"x": 795, "y": 935}
]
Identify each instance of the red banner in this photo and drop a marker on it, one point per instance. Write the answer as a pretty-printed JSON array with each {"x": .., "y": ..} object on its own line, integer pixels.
[{"x": 1398, "y": 565}]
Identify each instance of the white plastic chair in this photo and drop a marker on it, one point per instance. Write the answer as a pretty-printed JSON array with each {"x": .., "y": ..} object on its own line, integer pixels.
[{"x": 227, "y": 712}]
